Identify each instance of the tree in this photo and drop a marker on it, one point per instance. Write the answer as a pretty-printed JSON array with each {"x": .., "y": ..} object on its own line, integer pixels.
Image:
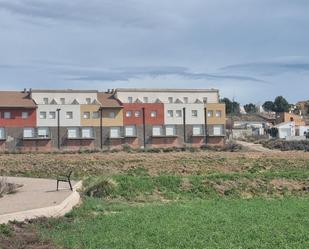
[
  {"x": 281, "y": 104},
  {"x": 230, "y": 106},
  {"x": 269, "y": 106},
  {"x": 251, "y": 108}
]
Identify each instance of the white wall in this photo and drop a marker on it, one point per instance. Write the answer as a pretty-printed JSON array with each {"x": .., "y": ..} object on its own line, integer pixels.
[
  {"x": 64, "y": 122},
  {"x": 69, "y": 97},
  {"x": 212, "y": 97},
  {"x": 200, "y": 119}
]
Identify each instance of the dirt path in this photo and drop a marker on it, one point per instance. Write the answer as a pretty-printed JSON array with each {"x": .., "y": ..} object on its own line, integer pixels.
[{"x": 254, "y": 147}]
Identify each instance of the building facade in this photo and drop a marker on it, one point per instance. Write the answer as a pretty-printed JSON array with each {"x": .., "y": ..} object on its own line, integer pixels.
[{"x": 87, "y": 119}]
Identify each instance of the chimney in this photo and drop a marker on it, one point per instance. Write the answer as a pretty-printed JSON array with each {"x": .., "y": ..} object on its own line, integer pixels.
[
  {"x": 25, "y": 90},
  {"x": 30, "y": 93}
]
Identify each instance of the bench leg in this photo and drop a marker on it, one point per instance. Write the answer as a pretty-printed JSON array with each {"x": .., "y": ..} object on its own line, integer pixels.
[{"x": 70, "y": 185}]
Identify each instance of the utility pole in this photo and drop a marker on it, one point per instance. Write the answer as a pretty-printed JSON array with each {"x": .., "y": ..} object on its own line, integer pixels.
[
  {"x": 206, "y": 128},
  {"x": 58, "y": 127},
  {"x": 101, "y": 128},
  {"x": 184, "y": 125},
  {"x": 144, "y": 127}
]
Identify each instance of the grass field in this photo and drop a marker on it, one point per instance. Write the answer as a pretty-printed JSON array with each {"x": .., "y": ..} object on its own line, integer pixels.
[{"x": 172, "y": 200}]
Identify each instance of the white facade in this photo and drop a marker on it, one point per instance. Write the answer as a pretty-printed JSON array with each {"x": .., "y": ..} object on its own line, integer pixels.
[
  {"x": 173, "y": 114},
  {"x": 286, "y": 130},
  {"x": 68, "y": 101},
  {"x": 47, "y": 115},
  {"x": 187, "y": 96}
]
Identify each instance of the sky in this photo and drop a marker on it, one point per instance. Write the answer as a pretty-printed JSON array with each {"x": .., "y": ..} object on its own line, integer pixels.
[{"x": 252, "y": 50}]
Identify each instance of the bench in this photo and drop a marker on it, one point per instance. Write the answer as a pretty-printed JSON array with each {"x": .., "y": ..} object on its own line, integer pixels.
[{"x": 65, "y": 178}]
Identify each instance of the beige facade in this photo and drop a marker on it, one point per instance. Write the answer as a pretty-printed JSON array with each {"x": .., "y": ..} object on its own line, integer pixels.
[
  {"x": 90, "y": 115},
  {"x": 216, "y": 113},
  {"x": 112, "y": 117}
]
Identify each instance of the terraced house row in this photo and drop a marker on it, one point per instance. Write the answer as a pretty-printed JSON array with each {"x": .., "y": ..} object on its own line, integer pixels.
[{"x": 47, "y": 120}]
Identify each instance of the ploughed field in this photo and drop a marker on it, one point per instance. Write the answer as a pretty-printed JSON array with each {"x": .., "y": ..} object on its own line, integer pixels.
[{"x": 171, "y": 200}]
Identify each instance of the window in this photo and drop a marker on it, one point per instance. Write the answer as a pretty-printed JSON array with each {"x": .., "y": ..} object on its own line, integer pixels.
[
  {"x": 194, "y": 113},
  {"x": 130, "y": 131},
  {"x": 218, "y": 131},
  {"x": 170, "y": 130},
  {"x": 115, "y": 132},
  {"x": 145, "y": 99},
  {"x": 178, "y": 113},
  {"x": 72, "y": 132},
  {"x": 170, "y": 113},
  {"x": 45, "y": 101},
  {"x": 52, "y": 115},
  {"x": 88, "y": 101},
  {"x": 96, "y": 115},
  {"x": 86, "y": 115},
  {"x": 153, "y": 114},
  {"x": 2, "y": 133},
  {"x": 130, "y": 99},
  {"x": 7, "y": 115},
  {"x": 28, "y": 133},
  {"x": 197, "y": 130},
  {"x": 87, "y": 132},
  {"x": 128, "y": 114},
  {"x": 218, "y": 114},
  {"x": 42, "y": 115},
  {"x": 62, "y": 101},
  {"x": 43, "y": 132},
  {"x": 137, "y": 114},
  {"x": 210, "y": 114},
  {"x": 24, "y": 115},
  {"x": 185, "y": 100},
  {"x": 170, "y": 100},
  {"x": 205, "y": 100},
  {"x": 157, "y": 130},
  {"x": 69, "y": 115},
  {"x": 112, "y": 114}
]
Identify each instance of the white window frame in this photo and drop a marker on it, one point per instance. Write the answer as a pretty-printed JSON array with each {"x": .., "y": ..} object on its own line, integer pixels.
[
  {"x": 130, "y": 131},
  {"x": 128, "y": 114},
  {"x": 43, "y": 115},
  {"x": 41, "y": 134},
  {"x": 45, "y": 101},
  {"x": 170, "y": 100},
  {"x": 217, "y": 128},
  {"x": 70, "y": 133},
  {"x": 25, "y": 115},
  {"x": 170, "y": 113},
  {"x": 145, "y": 99},
  {"x": 170, "y": 130},
  {"x": 178, "y": 113},
  {"x": 130, "y": 99},
  {"x": 157, "y": 130},
  {"x": 69, "y": 115},
  {"x": 194, "y": 113},
  {"x": 185, "y": 100},
  {"x": 210, "y": 113},
  {"x": 96, "y": 115},
  {"x": 205, "y": 100},
  {"x": 197, "y": 130},
  {"x": 153, "y": 114},
  {"x": 114, "y": 132},
  {"x": 86, "y": 115},
  {"x": 87, "y": 132},
  {"x": 28, "y": 132},
  {"x": 88, "y": 101},
  {"x": 112, "y": 114},
  {"x": 137, "y": 114},
  {"x": 218, "y": 114},
  {"x": 62, "y": 101},
  {"x": 2, "y": 133},
  {"x": 7, "y": 115},
  {"x": 52, "y": 115}
]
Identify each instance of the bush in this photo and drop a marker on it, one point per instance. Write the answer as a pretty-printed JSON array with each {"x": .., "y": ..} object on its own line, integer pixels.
[
  {"x": 284, "y": 145},
  {"x": 232, "y": 147},
  {"x": 103, "y": 187}
]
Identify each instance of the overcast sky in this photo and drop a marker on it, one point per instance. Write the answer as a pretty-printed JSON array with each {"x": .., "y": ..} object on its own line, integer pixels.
[{"x": 253, "y": 50}]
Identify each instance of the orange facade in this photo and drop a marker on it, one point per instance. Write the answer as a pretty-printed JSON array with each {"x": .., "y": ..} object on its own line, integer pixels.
[
  {"x": 133, "y": 115},
  {"x": 18, "y": 117}
]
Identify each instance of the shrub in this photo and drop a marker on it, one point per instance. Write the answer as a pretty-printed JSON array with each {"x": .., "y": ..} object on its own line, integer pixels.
[
  {"x": 103, "y": 187},
  {"x": 286, "y": 145}
]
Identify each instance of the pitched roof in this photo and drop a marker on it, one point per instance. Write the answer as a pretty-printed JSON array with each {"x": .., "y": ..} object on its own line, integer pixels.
[
  {"x": 16, "y": 99},
  {"x": 108, "y": 100}
]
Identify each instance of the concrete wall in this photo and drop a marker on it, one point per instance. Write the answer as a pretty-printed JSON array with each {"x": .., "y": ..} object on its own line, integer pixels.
[
  {"x": 212, "y": 96},
  {"x": 15, "y": 141}
]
